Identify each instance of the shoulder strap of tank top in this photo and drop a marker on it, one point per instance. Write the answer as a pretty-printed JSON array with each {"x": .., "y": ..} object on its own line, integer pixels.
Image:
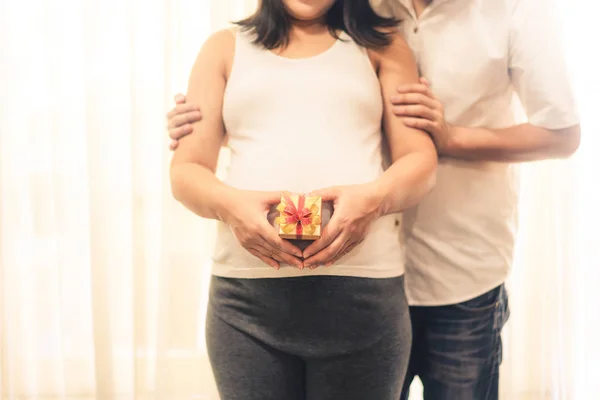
[
  {"x": 353, "y": 49},
  {"x": 244, "y": 40}
]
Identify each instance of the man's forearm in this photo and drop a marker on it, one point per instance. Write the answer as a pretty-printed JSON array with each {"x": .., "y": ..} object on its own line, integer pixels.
[
  {"x": 515, "y": 144},
  {"x": 407, "y": 180},
  {"x": 200, "y": 191}
]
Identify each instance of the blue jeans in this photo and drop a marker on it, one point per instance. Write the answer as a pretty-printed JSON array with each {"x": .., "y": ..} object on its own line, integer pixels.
[{"x": 457, "y": 349}]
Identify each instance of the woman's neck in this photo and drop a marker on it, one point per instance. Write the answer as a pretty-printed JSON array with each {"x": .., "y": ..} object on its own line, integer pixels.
[
  {"x": 308, "y": 28},
  {"x": 307, "y": 39}
]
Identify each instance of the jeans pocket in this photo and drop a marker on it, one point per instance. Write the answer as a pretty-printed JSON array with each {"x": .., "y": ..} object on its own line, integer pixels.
[{"x": 486, "y": 302}]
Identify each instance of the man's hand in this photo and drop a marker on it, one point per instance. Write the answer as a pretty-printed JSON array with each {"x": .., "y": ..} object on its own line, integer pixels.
[
  {"x": 420, "y": 109},
  {"x": 180, "y": 120},
  {"x": 355, "y": 209}
]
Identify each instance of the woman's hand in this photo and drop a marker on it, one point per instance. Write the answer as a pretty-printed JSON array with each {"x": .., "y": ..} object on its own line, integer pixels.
[
  {"x": 248, "y": 221},
  {"x": 180, "y": 120},
  {"x": 355, "y": 209}
]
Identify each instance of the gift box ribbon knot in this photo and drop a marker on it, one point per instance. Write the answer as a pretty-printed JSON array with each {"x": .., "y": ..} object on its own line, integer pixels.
[{"x": 302, "y": 218}]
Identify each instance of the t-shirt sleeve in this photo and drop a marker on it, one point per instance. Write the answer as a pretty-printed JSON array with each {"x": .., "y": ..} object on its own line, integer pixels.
[{"x": 537, "y": 65}]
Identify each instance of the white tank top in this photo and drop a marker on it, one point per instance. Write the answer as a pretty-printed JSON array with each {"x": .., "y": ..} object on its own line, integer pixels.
[{"x": 301, "y": 125}]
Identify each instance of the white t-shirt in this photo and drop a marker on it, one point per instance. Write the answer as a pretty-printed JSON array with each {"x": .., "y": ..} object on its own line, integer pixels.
[{"x": 483, "y": 58}]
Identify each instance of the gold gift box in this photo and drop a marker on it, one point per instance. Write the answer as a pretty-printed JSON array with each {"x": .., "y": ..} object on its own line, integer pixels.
[{"x": 299, "y": 217}]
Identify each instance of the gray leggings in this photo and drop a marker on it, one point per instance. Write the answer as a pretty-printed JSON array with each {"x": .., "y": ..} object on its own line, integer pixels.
[{"x": 309, "y": 338}]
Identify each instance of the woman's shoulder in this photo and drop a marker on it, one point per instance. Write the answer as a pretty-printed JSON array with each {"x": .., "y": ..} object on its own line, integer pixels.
[
  {"x": 220, "y": 47},
  {"x": 221, "y": 41}
]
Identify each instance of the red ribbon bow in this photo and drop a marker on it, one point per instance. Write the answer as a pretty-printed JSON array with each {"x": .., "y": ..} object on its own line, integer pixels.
[{"x": 297, "y": 215}]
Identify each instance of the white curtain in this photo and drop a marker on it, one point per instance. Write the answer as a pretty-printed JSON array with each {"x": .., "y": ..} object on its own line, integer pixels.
[
  {"x": 103, "y": 277},
  {"x": 550, "y": 347}
]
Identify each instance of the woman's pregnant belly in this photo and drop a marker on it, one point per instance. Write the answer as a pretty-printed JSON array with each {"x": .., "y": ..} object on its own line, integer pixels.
[
  {"x": 381, "y": 251},
  {"x": 275, "y": 171},
  {"x": 267, "y": 167}
]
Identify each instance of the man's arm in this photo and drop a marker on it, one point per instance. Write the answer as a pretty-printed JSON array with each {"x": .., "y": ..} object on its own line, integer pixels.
[
  {"x": 519, "y": 143},
  {"x": 419, "y": 108},
  {"x": 539, "y": 75}
]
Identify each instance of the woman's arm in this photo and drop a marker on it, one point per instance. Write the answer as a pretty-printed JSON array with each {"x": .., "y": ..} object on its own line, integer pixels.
[
  {"x": 413, "y": 155},
  {"x": 193, "y": 180}
]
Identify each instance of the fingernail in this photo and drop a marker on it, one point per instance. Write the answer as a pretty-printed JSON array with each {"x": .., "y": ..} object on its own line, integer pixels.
[
  {"x": 308, "y": 266},
  {"x": 306, "y": 255}
]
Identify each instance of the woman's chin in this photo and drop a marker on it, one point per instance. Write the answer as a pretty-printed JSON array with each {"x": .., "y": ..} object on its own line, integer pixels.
[
  {"x": 307, "y": 17},
  {"x": 308, "y": 10}
]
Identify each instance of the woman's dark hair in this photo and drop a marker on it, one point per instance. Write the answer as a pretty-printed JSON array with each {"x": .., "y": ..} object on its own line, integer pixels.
[{"x": 271, "y": 23}]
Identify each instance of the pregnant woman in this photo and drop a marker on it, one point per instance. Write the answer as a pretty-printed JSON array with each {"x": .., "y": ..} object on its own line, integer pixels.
[{"x": 298, "y": 89}]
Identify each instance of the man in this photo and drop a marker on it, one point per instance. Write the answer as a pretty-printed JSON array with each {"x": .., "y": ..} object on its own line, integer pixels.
[{"x": 477, "y": 57}]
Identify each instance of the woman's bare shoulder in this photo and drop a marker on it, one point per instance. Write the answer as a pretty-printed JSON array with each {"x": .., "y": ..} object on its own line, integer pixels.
[
  {"x": 223, "y": 37},
  {"x": 219, "y": 48},
  {"x": 221, "y": 42}
]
